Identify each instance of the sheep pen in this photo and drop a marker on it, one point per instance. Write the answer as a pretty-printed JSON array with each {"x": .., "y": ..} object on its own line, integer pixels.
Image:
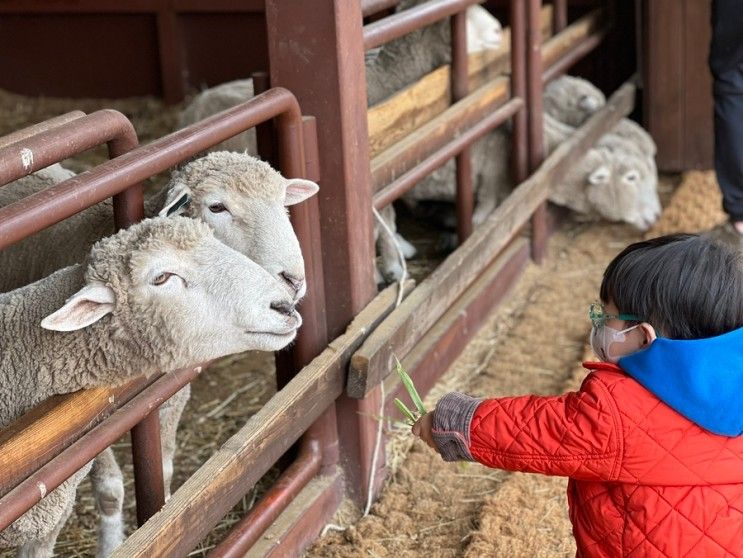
[
  {"x": 235, "y": 387},
  {"x": 452, "y": 518},
  {"x": 238, "y": 386}
]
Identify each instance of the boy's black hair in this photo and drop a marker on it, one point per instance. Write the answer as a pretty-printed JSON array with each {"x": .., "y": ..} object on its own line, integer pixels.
[{"x": 686, "y": 286}]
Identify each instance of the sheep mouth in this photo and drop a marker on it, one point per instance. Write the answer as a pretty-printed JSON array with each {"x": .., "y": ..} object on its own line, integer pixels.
[{"x": 278, "y": 334}]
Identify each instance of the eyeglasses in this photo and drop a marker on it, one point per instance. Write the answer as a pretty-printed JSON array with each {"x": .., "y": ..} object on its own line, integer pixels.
[{"x": 598, "y": 315}]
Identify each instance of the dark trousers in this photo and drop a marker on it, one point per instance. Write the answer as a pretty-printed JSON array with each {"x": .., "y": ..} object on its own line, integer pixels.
[{"x": 726, "y": 64}]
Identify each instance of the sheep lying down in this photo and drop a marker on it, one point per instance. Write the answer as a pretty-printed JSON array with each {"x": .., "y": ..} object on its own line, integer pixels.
[
  {"x": 161, "y": 295},
  {"x": 616, "y": 180}
]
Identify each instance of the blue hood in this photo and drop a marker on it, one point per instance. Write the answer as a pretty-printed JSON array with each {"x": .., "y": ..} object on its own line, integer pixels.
[{"x": 700, "y": 378}]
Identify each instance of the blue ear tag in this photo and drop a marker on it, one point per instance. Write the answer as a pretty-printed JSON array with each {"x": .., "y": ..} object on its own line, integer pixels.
[{"x": 182, "y": 202}]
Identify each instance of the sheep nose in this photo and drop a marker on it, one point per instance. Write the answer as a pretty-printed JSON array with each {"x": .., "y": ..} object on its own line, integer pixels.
[
  {"x": 294, "y": 282},
  {"x": 283, "y": 307}
]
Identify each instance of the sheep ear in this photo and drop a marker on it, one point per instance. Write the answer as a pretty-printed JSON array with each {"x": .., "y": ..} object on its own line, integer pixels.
[
  {"x": 298, "y": 190},
  {"x": 179, "y": 196},
  {"x": 85, "y": 307},
  {"x": 599, "y": 176}
]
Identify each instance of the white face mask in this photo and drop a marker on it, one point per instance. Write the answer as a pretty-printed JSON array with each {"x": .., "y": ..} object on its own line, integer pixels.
[{"x": 603, "y": 337}]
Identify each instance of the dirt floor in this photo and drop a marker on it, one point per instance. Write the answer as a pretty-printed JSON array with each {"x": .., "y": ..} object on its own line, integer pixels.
[{"x": 533, "y": 344}]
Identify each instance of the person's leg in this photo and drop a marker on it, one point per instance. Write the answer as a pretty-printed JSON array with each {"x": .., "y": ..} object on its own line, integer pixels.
[{"x": 726, "y": 65}]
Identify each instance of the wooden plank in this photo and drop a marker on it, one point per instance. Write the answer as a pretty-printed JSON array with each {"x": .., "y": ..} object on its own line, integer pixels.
[
  {"x": 400, "y": 332},
  {"x": 429, "y": 137},
  {"x": 130, "y": 6},
  {"x": 664, "y": 86},
  {"x": 698, "y": 132},
  {"x": 172, "y": 60},
  {"x": 554, "y": 48},
  {"x": 43, "y": 432},
  {"x": 443, "y": 343},
  {"x": 416, "y": 146},
  {"x": 407, "y": 110},
  {"x": 220, "y": 483},
  {"x": 302, "y": 521}
]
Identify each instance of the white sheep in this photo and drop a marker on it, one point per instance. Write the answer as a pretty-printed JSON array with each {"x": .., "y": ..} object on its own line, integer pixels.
[
  {"x": 614, "y": 180},
  {"x": 389, "y": 68},
  {"x": 404, "y": 61},
  {"x": 242, "y": 198},
  {"x": 161, "y": 295},
  {"x": 572, "y": 100},
  {"x": 216, "y": 99},
  {"x": 617, "y": 180}
]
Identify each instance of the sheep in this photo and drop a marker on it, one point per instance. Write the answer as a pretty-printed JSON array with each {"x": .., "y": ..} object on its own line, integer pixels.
[
  {"x": 389, "y": 68},
  {"x": 623, "y": 176},
  {"x": 161, "y": 295},
  {"x": 572, "y": 100},
  {"x": 627, "y": 152},
  {"x": 614, "y": 180},
  {"x": 403, "y": 61},
  {"x": 621, "y": 167},
  {"x": 242, "y": 198}
]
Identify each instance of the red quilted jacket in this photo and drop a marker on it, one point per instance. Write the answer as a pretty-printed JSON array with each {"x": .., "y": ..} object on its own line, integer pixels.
[{"x": 644, "y": 480}]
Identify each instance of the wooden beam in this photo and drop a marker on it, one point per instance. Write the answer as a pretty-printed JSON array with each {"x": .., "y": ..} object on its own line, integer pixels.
[
  {"x": 43, "y": 432},
  {"x": 220, "y": 483},
  {"x": 430, "y": 130},
  {"x": 302, "y": 521},
  {"x": 407, "y": 110},
  {"x": 404, "y": 328},
  {"x": 415, "y": 147}
]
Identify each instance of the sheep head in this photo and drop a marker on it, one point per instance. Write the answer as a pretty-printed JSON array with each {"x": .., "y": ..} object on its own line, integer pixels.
[
  {"x": 176, "y": 290},
  {"x": 612, "y": 181},
  {"x": 572, "y": 100},
  {"x": 483, "y": 30},
  {"x": 244, "y": 200}
]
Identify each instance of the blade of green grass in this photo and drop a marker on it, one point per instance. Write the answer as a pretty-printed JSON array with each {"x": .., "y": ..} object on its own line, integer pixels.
[
  {"x": 410, "y": 387},
  {"x": 405, "y": 411}
]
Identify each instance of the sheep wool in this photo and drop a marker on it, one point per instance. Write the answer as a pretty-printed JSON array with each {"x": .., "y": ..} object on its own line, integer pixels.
[
  {"x": 241, "y": 173},
  {"x": 143, "y": 328}
]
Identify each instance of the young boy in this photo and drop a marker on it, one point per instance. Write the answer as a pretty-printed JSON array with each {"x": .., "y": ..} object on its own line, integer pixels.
[{"x": 652, "y": 441}]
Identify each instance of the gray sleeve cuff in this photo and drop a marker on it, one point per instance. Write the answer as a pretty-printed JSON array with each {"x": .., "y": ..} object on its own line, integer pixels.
[{"x": 451, "y": 426}]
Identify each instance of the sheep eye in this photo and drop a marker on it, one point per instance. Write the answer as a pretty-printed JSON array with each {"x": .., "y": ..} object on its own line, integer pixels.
[
  {"x": 631, "y": 177},
  {"x": 162, "y": 278},
  {"x": 217, "y": 208}
]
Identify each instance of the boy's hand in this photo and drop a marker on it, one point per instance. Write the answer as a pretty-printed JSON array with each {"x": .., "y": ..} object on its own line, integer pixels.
[{"x": 422, "y": 429}]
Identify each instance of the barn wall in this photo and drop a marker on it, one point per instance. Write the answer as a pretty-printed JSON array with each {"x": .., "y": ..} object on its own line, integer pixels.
[{"x": 110, "y": 48}]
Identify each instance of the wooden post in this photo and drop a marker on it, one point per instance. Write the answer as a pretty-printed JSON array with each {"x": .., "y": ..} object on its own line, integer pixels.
[
  {"x": 316, "y": 51},
  {"x": 536, "y": 127}
]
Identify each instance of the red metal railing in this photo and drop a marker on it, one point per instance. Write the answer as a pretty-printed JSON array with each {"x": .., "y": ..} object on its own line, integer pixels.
[{"x": 399, "y": 24}]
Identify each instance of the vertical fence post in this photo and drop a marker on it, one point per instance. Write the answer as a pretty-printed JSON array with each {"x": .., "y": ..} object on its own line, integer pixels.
[
  {"x": 316, "y": 51},
  {"x": 520, "y": 160},
  {"x": 459, "y": 87},
  {"x": 536, "y": 120},
  {"x": 559, "y": 15},
  {"x": 149, "y": 487}
]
